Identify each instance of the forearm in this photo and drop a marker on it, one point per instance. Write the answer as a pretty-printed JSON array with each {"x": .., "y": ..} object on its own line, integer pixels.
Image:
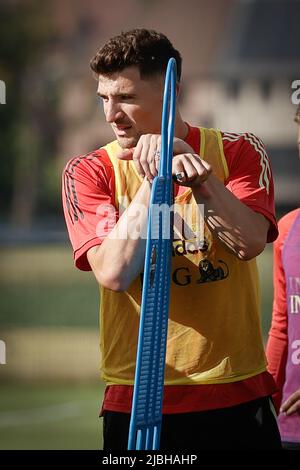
[
  {"x": 238, "y": 227},
  {"x": 119, "y": 259}
]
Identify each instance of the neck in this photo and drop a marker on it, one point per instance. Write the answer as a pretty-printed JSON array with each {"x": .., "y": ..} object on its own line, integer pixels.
[{"x": 181, "y": 128}]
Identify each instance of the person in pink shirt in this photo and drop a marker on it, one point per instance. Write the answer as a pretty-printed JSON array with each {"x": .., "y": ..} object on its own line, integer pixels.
[{"x": 283, "y": 348}]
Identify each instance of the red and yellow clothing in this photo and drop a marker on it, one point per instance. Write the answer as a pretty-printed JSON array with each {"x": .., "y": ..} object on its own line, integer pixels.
[{"x": 214, "y": 337}]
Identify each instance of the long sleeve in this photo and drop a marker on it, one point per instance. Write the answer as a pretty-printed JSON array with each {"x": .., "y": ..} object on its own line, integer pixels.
[{"x": 277, "y": 346}]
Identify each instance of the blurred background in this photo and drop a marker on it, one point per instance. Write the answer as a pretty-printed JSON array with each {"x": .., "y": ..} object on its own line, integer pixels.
[{"x": 240, "y": 63}]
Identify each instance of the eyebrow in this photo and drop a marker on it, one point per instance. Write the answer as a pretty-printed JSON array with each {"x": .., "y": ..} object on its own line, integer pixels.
[{"x": 127, "y": 95}]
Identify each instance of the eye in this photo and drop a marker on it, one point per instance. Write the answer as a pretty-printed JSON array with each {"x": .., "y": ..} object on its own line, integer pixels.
[
  {"x": 103, "y": 98},
  {"x": 126, "y": 97}
]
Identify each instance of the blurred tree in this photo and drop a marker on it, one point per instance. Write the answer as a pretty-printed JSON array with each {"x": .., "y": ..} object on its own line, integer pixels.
[{"x": 28, "y": 121}]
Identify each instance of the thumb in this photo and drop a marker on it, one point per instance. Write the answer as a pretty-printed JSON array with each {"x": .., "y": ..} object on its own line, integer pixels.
[{"x": 126, "y": 154}]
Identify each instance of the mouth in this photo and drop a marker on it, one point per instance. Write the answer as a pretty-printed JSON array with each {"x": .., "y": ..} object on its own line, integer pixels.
[{"x": 121, "y": 130}]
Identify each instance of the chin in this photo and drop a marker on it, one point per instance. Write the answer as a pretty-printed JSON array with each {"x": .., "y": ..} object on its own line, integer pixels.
[{"x": 127, "y": 142}]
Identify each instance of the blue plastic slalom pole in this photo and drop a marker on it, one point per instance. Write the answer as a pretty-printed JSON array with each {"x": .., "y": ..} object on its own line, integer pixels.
[{"x": 146, "y": 414}]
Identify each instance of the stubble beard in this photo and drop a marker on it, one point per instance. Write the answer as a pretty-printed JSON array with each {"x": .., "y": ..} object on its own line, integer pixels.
[{"x": 127, "y": 142}]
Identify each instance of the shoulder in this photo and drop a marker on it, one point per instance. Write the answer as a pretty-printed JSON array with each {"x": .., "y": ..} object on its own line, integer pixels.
[
  {"x": 246, "y": 154},
  {"x": 236, "y": 144},
  {"x": 287, "y": 221},
  {"x": 284, "y": 226},
  {"x": 92, "y": 164}
]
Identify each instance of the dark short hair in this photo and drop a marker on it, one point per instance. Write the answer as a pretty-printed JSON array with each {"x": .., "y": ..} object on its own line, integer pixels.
[{"x": 144, "y": 48}]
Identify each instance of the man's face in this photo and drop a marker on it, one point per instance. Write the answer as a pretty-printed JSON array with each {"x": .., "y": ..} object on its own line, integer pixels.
[{"x": 132, "y": 106}]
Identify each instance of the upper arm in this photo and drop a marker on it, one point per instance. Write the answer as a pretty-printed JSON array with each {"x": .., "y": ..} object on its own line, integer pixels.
[
  {"x": 92, "y": 256},
  {"x": 279, "y": 315},
  {"x": 277, "y": 345},
  {"x": 88, "y": 202},
  {"x": 250, "y": 178},
  {"x": 263, "y": 225}
]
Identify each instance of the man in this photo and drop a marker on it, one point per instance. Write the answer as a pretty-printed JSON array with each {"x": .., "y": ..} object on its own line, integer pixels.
[
  {"x": 216, "y": 380},
  {"x": 283, "y": 348}
]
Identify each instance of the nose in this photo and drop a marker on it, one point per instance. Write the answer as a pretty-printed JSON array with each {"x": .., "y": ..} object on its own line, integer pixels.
[{"x": 112, "y": 111}]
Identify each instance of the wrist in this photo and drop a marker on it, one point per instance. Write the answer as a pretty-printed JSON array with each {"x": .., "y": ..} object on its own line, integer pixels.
[{"x": 203, "y": 191}]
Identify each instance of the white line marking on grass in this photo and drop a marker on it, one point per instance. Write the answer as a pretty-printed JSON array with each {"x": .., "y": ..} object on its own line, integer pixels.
[{"x": 45, "y": 414}]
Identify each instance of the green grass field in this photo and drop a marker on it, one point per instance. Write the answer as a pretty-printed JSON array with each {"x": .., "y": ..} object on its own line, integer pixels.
[
  {"x": 50, "y": 417},
  {"x": 40, "y": 287}
]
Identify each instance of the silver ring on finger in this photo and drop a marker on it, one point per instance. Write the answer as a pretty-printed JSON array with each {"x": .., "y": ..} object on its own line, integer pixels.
[{"x": 179, "y": 176}]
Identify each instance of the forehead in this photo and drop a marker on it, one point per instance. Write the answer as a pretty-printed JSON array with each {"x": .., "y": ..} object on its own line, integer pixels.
[{"x": 127, "y": 81}]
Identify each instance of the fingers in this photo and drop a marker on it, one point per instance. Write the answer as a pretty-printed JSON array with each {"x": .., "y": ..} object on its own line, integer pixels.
[
  {"x": 292, "y": 404},
  {"x": 148, "y": 157},
  {"x": 157, "y": 159},
  {"x": 178, "y": 171},
  {"x": 189, "y": 170},
  {"x": 179, "y": 177},
  {"x": 157, "y": 153},
  {"x": 147, "y": 154},
  {"x": 154, "y": 154},
  {"x": 136, "y": 159}
]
